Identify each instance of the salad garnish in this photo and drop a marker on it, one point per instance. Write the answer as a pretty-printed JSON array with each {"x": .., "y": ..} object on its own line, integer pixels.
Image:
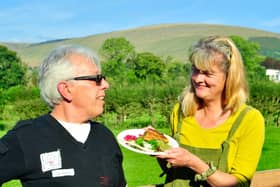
[{"x": 151, "y": 141}]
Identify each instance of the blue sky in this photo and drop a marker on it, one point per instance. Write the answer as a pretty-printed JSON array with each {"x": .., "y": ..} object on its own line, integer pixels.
[{"x": 37, "y": 20}]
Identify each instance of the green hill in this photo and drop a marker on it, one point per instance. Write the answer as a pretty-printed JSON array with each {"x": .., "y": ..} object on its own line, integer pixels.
[
  {"x": 163, "y": 40},
  {"x": 270, "y": 46}
]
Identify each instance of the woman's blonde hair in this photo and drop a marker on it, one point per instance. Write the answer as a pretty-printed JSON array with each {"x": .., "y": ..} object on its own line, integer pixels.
[{"x": 203, "y": 55}]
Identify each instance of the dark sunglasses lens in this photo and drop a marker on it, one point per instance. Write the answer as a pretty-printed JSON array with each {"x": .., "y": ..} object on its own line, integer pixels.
[{"x": 99, "y": 78}]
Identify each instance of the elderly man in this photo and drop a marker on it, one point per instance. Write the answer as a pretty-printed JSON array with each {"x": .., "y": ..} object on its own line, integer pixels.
[{"x": 64, "y": 148}]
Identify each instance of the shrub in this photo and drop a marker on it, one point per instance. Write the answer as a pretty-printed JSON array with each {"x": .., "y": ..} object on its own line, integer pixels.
[
  {"x": 24, "y": 109},
  {"x": 265, "y": 96}
]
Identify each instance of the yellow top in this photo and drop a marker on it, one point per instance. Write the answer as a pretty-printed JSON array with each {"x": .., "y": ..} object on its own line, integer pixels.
[{"x": 245, "y": 145}]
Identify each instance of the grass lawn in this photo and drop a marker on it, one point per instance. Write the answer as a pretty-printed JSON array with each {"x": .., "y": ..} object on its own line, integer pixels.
[
  {"x": 270, "y": 155},
  {"x": 143, "y": 169}
]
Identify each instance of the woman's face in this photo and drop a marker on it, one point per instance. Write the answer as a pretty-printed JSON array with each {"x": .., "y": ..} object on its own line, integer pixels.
[{"x": 208, "y": 85}]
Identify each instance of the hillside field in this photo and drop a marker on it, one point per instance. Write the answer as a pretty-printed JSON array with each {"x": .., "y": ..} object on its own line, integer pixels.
[{"x": 163, "y": 40}]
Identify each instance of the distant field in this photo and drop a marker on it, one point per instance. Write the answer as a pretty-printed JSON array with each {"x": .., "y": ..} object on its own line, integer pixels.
[
  {"x": 142, "y": 169},
  {"x": 163, "y": 40}
]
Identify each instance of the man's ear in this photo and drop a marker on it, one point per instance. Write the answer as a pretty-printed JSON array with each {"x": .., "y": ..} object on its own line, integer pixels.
[{"x": 65, "y": 91}]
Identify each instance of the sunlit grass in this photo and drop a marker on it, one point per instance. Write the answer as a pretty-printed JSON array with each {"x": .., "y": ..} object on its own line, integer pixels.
[{"x": 271, "y": 150}]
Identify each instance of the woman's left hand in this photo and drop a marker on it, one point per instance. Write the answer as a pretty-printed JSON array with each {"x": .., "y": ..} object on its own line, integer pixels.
[{"x": 178, "y": 157}]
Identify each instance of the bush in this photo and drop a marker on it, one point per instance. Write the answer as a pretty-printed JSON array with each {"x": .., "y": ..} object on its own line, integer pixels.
[
  {"x": 24, "y": 109},
  {"x": 18, "y": 93},
  {"x": 137, "y": 104},
  {"x": 265, "y": 96},
  {"x": 18, "y": 103}
]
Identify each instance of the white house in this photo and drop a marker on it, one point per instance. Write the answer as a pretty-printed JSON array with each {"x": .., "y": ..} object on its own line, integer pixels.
[{"x": 273, "y": 74}]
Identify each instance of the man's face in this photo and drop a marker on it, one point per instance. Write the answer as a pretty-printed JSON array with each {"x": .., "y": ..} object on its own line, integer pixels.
[{"x": 87, "y": 96}]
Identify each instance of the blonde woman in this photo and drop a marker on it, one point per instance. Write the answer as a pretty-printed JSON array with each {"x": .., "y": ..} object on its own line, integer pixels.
[{"x": 220, "y": 136}]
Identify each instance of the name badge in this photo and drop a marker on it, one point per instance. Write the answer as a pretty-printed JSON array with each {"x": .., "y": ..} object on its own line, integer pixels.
[
  {"x": 51, "y": 160},
  {"x": 63, "y": 172}
]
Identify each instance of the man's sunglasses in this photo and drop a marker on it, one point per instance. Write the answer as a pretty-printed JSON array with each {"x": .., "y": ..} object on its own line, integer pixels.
[{"x": 97, "y": 78}]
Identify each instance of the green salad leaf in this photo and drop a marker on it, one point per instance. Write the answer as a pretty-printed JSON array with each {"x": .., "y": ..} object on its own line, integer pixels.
[{"x": 140, "y": 141}]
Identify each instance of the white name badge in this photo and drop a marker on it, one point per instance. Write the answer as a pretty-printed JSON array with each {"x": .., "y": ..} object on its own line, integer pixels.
[
  {"x": 63, "y": 172},
  {"x": 50, "y": 160}
]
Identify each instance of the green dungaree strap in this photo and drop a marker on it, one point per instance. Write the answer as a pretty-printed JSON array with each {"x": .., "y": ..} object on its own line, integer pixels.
[
  {"x": 184, "y": 177},
  {"x": 225, "y": 146}
]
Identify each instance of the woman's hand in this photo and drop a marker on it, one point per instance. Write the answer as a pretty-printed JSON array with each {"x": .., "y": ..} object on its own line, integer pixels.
[{"x": 178, "y": 157}]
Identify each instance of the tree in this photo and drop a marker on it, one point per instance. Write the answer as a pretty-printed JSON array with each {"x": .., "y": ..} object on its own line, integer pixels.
[
  {"x": 117, "y": 53},
  {"x": 148, "y": 65},
  {"x": 12, "y": 70},
  {"x": 250, "y": 52},
  {"x": 117, "y": 49}
]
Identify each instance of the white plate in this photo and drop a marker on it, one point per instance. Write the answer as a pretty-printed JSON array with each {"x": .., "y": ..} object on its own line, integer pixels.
[{"x": 137, "y": 132}]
